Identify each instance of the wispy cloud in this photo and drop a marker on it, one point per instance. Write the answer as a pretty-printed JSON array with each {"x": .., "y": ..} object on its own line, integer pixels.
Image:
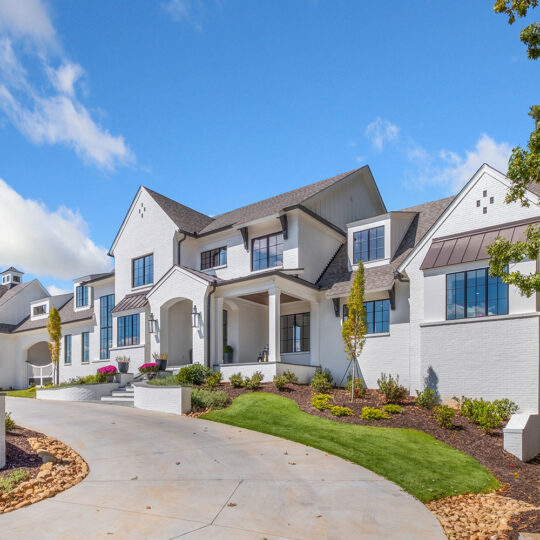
[
  {"x": 380, "y": 132},
  {"x": 40, "y": 88},
  {"x": 445, "y": 168},
  {"x": 192, "y": 12},
  {"x": 46, "y": 242},
  {"x": 54, "y": 290}
]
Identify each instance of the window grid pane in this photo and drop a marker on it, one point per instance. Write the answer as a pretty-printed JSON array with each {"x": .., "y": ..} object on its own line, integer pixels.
[
  {"x": 295, "y": 333},
  {"x": 105, "y": 325},
  {"x": 67, "y": 349},
  {"x": 128, "y": 330},
  {"x": 368, "y": 245},
  {"x": 267, "y": 252},
  {"x": 143, "y": 271},
  {"x": 213, "y": 257}
]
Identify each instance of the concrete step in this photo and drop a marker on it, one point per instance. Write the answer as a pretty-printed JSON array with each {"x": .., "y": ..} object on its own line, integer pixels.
[
  {"x": 126, "y": 399},
  {"x": 123, "y": 393}
]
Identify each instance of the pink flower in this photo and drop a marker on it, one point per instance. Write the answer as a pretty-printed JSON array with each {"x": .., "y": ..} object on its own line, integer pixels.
[{"x": 110, "y": 370}]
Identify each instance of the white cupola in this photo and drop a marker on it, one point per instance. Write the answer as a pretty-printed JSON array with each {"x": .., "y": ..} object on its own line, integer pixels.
[{"x": 11, "y": 276}]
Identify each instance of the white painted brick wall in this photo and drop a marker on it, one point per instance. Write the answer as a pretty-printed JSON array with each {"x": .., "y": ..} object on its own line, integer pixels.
[
  {"x": 168, "y": 399},
  {"x": 80, "y": 392}
]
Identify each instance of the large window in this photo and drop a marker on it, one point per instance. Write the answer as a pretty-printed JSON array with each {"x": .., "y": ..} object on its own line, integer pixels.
[
  {"x": 106, "y": 304},
  {"x": 128, "y": 330},
  {"x": 267, "y": 251},
  {"x": 40, "y": 310},
  {"x": 368, "y": 245},
  {"x": 295, "y": 333},
  {"x": 475, "y": 294},
  {"x": 85, "y": 347},
  {"x": 213, "y": 258},
  {"x": 81, "y": 296},
  {"x": 377, "y": 316},
  {"x": 143, "y": 271},
  {"x": 67, "y": 349}
]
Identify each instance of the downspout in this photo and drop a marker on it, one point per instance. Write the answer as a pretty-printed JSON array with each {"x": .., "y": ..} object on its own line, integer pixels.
[
  {"x": 208, "y": 323},
  {"x": 180, "y": 245}
]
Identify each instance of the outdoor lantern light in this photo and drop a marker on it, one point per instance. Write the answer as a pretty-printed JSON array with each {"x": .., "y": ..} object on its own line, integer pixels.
[
  {"x": 194, "y": 317},
  {"x": 152, "y": 324}
]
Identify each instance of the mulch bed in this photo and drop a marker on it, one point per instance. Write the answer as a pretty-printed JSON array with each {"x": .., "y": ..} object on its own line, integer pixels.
[
  {"x": 19, "y": 453},
  {"x": 521, "y": 481}
]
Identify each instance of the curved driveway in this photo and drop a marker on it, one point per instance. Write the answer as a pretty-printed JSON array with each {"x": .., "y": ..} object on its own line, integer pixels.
[{"x": 157, "y": 475}]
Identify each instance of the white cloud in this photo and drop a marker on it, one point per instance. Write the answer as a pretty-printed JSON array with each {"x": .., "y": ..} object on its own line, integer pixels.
[
  {"x": 45, "y": 242},
  {"x": 380, "y": 132},
  {"x": 43, "y": 103},
  {"x": 55, "y": 291}
]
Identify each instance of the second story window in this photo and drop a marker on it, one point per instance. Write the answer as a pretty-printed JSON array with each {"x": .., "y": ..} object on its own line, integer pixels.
[
  {"x": 39, "y": 310},
  {"x": 143, "y": 271},
  {"x": 267, "y": 251},
  {"x": 128, "y": 330},
  {"x": 213, "y": 257},
  {"x": 475, "y": 294},
  {"x": 368, "y": 245},
  {"x": 81, "y": 296}
]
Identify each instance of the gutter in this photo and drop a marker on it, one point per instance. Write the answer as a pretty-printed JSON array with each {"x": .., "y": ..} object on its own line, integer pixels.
[
  {"x": 180, "y": 244},
  {"x": 208, "y": 324}
]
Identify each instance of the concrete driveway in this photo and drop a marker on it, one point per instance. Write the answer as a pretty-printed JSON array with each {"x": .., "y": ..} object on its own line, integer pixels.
[{"x": 157, "y": 475}]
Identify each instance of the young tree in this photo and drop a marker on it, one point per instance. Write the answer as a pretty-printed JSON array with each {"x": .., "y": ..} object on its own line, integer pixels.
[
  {"x": 523, "y": 168},
  {"x": 54, "y": 327},
  {"x": 354, "y": 329}
]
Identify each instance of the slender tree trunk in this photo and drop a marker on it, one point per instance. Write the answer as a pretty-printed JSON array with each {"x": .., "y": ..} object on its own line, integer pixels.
[{"x": 353, "y": 378}]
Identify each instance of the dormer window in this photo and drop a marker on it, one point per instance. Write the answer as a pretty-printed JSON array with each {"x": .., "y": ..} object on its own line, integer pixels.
[
  {"x": 143, "y": 271},
  {"x": 81, "y": 295},
  {"x": 39, "y": 310},
  {"x": 368, "y": 245},
  {"x": 213, "y": 257},
  {"x": 267, "y": 251},
  {"x": 16, "y": 279}
]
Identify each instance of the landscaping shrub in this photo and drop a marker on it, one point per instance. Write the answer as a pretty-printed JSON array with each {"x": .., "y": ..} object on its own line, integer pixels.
[
  {"x": 359, "y": 388},
  {"x": 372, "y": 413},
  {"x": 391, "y": 408},
  {"x": 253, "y": 382},
  {"x": 7, "y": 483},
  {"x": 336, "y": 410},
  {"x": 290, "y": 376},
  {"x": 427, "y": 398},
  {"x": 320, "y": 383},
  {"x": 391, "y": 389},
  {"x": 505, "y": 408},
  {"x": 486, "y": 414},
  {"x": 280, "y": 382},
  {"x": 10, "y": 424},
  {"x": 327, "y": 374},
  {"x": 320, "y": 401},
  {"x": 193, "y": 374},
  {"x": 236, "y": 380},
  {"x": 444, "y": 415},
  {"x": 213, "y": 380},
  {"x": 150, "y": 368},
  {"x": 202, "y": 399},
  {"x": 171, "y": 380}
]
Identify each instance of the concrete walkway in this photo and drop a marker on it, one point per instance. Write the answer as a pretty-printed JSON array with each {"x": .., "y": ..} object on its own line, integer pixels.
[{"x": 162, "y": 476}]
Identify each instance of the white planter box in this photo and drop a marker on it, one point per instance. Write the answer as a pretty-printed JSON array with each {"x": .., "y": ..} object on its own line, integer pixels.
[
  {"x": 2, "y": 430},
  {"x": 169, "y": 399},
  {"x": 80, "y": 392}
]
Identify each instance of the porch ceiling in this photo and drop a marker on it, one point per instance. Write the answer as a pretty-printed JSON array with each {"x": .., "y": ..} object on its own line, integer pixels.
[{"x": 262, "y": 298}]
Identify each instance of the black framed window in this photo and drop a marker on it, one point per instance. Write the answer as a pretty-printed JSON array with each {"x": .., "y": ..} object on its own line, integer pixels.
[
  {"x": 295, "y": 333},
  {"x": 143, "y": 271},
  {"x": 213, "y": 257},
  {"x": 475, "y": 293},
  {"x": 67, "y": 349},
  {"x": 85, "y": 347},
  {"x": 81, "y": 295},
  {"x": 106, "y": 304},
  {"x": 368, "y": 245},
  {"x": 267, "y": 251},
  {"x": 40, "y": 310},
  {"x": 128, "y": 330},
  {"x": 377, "y": 316}
]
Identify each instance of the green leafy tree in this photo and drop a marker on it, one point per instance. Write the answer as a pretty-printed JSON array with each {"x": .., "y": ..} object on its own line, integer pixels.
[
  {"x": 354, "y": 328},
  {"x": 54, "y": 327},
  {"x": 523, "y": 168}
]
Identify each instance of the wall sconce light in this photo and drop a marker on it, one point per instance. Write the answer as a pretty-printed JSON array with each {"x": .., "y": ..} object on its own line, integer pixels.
[
  {"x": 152, "y": 323},
  {"x": 195, "y": 317}
]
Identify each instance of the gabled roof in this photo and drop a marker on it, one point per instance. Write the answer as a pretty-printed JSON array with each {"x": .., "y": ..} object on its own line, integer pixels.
[
  {"x": 11, "y": 269},
  {"x": 16, "y": 289},
  {"x": 337, "y": 277}
]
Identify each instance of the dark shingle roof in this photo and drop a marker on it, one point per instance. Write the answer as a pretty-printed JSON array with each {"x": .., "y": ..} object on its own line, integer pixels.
[
  {"x": 6, "y": 328},
  {"x": 11, "y": 269},
  {"x": 185, "y": 218},
  {"x": 337, "y": 277},
  {"x": 131, "y": 301},
  {"x": 4, "y": 289},
  {"x": 67, "y": 315}
]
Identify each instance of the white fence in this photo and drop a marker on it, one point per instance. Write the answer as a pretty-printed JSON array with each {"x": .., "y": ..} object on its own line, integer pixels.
[{"x": 39, "y": 375}]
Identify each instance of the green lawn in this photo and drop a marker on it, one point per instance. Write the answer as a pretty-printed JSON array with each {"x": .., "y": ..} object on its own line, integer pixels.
[
  {"x": 419, "y": 463},
  {"x": 28, "y": 393}
]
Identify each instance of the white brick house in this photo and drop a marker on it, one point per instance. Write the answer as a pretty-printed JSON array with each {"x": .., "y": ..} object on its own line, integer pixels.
[{"x": 271, "y": 280}]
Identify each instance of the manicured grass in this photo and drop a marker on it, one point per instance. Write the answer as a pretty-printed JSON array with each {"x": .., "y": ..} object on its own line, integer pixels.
[
  {"x": 419, "y": 463},
  {"x": 28, "y": 393}
]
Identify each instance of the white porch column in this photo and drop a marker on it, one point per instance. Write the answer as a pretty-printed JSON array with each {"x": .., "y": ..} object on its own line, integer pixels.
[
  {"x": 274, "y": 327},
  {"x": 218, "y": 332},
  {"x": 314, "y": 333}
]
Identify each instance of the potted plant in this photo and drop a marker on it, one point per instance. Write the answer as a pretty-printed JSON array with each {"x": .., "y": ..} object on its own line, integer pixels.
[
  {"x": 161, "y": 359},
  {"x": 123, "y": 363},
  {"x": 228, "y": 354},
  {"x": 150, "y": 369},
  {"x": 109, "y": 371}
]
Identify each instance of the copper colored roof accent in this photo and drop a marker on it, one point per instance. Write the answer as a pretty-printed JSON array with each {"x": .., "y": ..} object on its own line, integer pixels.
[
  {"x": 131, "y": 301},
  {"x": 472, "y": 245}
]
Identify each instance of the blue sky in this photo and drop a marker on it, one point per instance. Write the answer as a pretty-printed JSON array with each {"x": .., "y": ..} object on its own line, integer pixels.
[{"x": 224, "y": 102}]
